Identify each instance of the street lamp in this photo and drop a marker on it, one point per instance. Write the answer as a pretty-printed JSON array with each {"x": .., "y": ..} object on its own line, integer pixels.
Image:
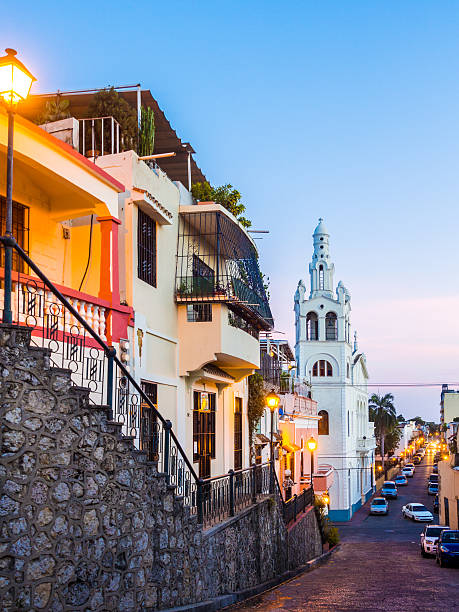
[
  {"x": 272, "y": 401},
  {"x": 312, "y": 445},
  {"x": 15, "y": 84}
]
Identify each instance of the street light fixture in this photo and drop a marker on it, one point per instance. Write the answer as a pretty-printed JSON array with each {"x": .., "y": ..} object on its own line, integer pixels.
[
  {"x": 272, "y": 401},
  {"x": 15, "y": 84},
  {"x": 312, "y": 445}
]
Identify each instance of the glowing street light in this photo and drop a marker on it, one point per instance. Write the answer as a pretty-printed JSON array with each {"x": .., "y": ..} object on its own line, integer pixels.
[
  {"x": 272, "y": 401},
  {"x": 15, "y": 84},
  {"x": 312, "y": 445}
]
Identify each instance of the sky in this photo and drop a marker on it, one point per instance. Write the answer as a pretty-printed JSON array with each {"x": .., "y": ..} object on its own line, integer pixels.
[{"x": 343, "y": 110}]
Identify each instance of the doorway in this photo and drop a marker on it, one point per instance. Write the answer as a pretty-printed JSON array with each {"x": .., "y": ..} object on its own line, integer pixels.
[{"x": 203, "y": 431}]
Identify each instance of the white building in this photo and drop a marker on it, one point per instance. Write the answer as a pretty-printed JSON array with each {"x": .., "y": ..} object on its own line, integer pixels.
[{"x": 339, "y": 376}]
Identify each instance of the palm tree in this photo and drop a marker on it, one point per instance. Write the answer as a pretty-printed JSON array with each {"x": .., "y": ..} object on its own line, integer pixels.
[{"x": 384, "y": 416}]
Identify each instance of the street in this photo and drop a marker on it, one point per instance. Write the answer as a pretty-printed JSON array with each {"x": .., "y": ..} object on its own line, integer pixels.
[{"x": 378, "y": 567}]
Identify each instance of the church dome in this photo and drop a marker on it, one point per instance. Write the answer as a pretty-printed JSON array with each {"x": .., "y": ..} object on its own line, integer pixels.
[{"x": 320, "y": 229}]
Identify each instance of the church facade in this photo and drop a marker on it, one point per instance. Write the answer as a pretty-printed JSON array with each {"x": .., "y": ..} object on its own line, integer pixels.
[{"x": 337, "y": 371}]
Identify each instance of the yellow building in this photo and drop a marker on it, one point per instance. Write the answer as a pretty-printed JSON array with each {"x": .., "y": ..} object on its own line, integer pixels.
[
  {"x": 449, "y": 405},
  {"x": 63, "y": 206},
  {"x": 448, "y": 492}
]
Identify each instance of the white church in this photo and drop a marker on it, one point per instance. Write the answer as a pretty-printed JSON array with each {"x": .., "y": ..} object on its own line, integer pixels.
[{"x": 338, "y": 374}]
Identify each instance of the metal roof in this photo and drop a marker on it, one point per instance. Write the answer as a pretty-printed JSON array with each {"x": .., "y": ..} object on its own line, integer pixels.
[{"x": 166, "y": 139}]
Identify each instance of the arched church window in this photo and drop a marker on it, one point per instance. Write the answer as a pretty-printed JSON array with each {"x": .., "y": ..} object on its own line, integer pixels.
[
  {"x": 312, "y": 326},
  {"x": 323, "y": 426},
  {"x": 322, "y": 368},
  {"x": 331, "y": 326},
  {"x": 321, "y": 277},
  {"x": 348, "y": 370}
]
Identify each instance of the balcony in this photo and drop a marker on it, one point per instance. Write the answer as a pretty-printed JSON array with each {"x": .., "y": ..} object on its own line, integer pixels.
[
  {"x": 217, "y": 263},
  {"x": 207, "y": 336},
  {"x": 364, "y": 444}
]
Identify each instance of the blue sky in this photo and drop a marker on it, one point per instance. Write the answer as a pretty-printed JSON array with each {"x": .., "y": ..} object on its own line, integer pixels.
[{"x": 346, "y": 110}]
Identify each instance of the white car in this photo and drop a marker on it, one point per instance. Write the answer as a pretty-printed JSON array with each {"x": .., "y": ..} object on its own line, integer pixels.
[
  {"x": 410, "y": 465},
  {"x": 417, "y": 512},
  {"x": 408, "y": 472},
  {"x": 429, "y": 539}
]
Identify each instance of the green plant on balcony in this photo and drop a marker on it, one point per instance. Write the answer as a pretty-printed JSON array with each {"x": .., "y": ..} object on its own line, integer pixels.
[
  {"x": 147, "y": 132},
  {"x": 255, "y": 406},
  {"x": 54, "y": 110},
  {"x": 109, "y": 103},
  {"x": 225, "y": 195}
]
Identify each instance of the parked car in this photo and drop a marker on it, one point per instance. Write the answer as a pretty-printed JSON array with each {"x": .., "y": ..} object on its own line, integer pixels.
[
  {"x": 435, "y": 469},
  {"x": 448, "y": 547},
  {"x": 408, "y": 472},
  {"x": 401, "y": 480},
  {"x": 417, "y": 459},
  {"x": 432, "y": 489},
  {"x": 379, "y": 505},
  {"x": 417, "y": 512},
  {"x": 429, "y": 539},
  {"x": 436, "y": 504},
  {"x": 411, "y": 465},
  {"x": 433, "y": 479},
  {"x": 389, "y": 489}
]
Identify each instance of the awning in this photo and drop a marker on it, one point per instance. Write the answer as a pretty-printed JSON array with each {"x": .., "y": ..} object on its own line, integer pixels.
[
  {"x": 261, "y": 440},
  {"x": 290, "y": 447},
  {"x": 277, "y": 437}
]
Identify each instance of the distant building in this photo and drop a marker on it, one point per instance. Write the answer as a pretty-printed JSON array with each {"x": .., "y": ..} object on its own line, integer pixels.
[
  {"x": 449, "y": 405},
  {"x": 338, "y": 374}
]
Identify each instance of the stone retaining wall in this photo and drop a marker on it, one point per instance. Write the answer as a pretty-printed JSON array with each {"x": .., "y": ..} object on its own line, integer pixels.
[{"x": 86, "y": 523}]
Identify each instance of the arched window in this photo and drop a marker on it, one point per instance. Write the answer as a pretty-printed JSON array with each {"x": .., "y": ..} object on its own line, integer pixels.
[
  {"x": 312, "y": 326},
  {"x": 323, "y": 423},
  {"x": 322, "y": 368},
  {"x": 348, "y": 370},
  {"x": 321, "y": 277},
  {"x": 331, "y": 326}
]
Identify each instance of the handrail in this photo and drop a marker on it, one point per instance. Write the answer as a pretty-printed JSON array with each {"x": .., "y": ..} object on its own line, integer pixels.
[{"x": 109, "y": 351}]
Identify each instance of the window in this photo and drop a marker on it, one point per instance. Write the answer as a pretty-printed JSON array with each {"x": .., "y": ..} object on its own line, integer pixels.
[
  {"x": 198, "y": 313},
  {"x": 20, "y": 231},
  {"x": 149, "y": 432},
  {"x": 446, "y": 519},
  {"x": 146, "y": 248},
  {"x": 331, "y": 326},
  {"x": 348, "y": 370},
  {"x": 322, "y": 368},
  {"x": 203, "y": 431},
  {"x": 323, "y": 423},
  {"x": 312, "y": 326},
  {"x": 238, "y": 433},
  {"x": 321, "y": 277}
]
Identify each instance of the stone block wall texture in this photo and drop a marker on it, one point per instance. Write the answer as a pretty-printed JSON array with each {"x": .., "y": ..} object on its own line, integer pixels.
[{"x": 86, "y": 523}]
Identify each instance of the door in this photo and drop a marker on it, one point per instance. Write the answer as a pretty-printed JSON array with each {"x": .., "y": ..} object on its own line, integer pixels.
[
  {"x": 238, "y": 433},
  {"x": 446, "y": 500},
  {"x": 203, "y": 431}
]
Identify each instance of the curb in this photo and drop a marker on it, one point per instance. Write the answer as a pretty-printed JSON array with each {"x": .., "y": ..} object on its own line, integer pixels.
[{"x": 223, "y": 601}]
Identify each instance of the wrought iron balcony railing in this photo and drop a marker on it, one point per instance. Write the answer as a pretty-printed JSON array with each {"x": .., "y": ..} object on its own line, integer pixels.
[{"x": 217, "y": 262}]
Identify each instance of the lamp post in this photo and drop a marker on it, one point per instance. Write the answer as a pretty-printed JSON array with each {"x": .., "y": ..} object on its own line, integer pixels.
[
  {"x": 15, "y": 84},
  {"x": 312, "y": 445},
  {"x": 272, "y": 401}
]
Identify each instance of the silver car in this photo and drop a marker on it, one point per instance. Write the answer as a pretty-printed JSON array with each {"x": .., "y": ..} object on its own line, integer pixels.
[{"x": 379, "y": 505}]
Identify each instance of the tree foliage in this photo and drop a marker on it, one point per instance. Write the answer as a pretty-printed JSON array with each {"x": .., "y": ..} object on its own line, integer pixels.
[
  {"x": 256, "y": 404},
  {"x": 383, "y": 414},
  {"x": 225, "y": 195},
  {"x": 109, "y": 103}
]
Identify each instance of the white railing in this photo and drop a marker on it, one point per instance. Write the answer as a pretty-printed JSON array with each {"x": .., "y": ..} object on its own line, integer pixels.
[{"x": 99, "y": 136}]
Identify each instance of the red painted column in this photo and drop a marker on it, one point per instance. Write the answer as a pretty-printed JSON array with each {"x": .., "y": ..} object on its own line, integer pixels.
[{"x": 109, "y": 286}]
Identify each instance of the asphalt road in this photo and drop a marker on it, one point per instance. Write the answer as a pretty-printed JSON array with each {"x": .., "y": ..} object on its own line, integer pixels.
[{"x": 378, "y": 567}]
